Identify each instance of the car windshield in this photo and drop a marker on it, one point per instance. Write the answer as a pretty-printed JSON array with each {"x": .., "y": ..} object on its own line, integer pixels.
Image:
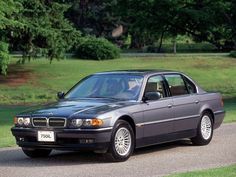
[{"x": 111, "y": 86}]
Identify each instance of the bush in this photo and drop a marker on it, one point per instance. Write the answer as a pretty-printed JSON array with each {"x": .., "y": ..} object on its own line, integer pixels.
[
  {"x": 4, "y": 57},
  {"x": 97, "y": 49},
  {"x": 233, "y": 54}
]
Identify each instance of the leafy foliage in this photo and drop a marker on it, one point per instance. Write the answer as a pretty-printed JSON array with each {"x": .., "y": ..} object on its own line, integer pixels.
[
  {"x": 44, "y": 27},
  {"x": 7, "y": 9},
  {"x": 52, "y": 27},
  {"x": 94, "y": 17},
  {"x": 4, "y": 57},
  {"x": 97, "y": 49},
  {"x": 205, "y": 20},
  {"x": 232, "y": 54}
]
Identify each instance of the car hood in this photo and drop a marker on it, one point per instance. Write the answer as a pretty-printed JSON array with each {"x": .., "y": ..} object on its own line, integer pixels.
[{"x": 69, "y": 108}]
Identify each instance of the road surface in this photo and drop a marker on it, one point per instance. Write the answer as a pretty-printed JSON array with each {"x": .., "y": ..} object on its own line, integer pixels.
[{"x": 159, "y": 160}]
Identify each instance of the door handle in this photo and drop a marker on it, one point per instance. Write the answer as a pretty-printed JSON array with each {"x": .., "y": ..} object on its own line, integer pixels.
[
  {"x": 197, "y": 101},
  {"x": 169, "y": 105}
]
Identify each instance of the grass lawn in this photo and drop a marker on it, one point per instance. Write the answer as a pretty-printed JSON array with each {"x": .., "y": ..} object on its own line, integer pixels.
[
  {"x": 6, "y": 122},
  {"x": 229, "y": 171},
  {"x": 213, "y": 73}
]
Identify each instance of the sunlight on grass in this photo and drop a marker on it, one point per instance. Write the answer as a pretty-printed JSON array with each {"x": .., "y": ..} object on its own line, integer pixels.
[{"x": 229, "y": 171}]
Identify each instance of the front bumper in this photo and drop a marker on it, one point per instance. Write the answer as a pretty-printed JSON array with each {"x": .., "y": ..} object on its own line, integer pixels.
[{"x": 65, "y": 139}]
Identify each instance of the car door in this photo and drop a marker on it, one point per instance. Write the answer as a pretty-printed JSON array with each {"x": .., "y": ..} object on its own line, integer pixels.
[
  {"x": 185, "y": 103},
  {"x": 157, "y": 113}
]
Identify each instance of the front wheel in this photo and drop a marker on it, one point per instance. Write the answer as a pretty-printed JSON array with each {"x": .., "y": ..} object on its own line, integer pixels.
[
  {"x": 204, "y": 131},
  {"x": 122, "y": 141},
  {"x": 34, "y": 153}
]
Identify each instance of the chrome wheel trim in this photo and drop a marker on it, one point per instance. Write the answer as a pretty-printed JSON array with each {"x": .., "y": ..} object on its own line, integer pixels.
[
  {"x": 206, "y": 127},
  {"x": 122, "y": 141}
]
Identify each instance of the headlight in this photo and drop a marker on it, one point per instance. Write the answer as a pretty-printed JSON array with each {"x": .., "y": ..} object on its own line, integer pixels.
[
  {"x": 26, "y": 121},
  {"x": 22, "y": 121},
  {"x": 86, "y": 122},
  {"x": 76, "y": 122}
]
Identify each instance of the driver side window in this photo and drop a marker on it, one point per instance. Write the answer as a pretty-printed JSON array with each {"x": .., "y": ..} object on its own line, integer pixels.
[{"x": 155, "y": 84}]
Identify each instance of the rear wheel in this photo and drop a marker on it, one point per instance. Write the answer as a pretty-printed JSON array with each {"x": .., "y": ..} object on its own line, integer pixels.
[
  {"x": 34, "y": 153},
  {"x": 122, "y": 141},
  {"x": 205, "y": 130}
]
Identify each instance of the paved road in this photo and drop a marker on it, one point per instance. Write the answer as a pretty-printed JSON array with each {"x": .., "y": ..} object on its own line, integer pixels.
[{"x": 155, "y": 161}]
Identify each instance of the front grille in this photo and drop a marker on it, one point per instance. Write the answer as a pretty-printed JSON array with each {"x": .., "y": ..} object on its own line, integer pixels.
[
  {"x": 40, "y": 122},
  {"x": 49, "y": 122},
  {"x": 57, "y": 122}
]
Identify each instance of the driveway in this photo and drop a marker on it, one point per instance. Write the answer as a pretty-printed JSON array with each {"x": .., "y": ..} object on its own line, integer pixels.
[{"x": 155, "y": 161}]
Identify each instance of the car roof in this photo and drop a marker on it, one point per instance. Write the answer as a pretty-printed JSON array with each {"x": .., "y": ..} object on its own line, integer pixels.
[{"x": 138, "y": 72}]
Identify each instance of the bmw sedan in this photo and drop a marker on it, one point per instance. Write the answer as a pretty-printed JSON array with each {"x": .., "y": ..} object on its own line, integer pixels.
[{"x": 115, "y": 112}]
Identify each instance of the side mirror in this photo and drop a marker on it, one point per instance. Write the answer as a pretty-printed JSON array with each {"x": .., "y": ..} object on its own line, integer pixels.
[
  {"x": 151, "y": 96},
  {"x": 60, "y": 95}
]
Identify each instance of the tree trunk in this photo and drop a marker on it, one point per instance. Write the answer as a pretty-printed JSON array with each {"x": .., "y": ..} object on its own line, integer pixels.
[
  {"x": 234, "y": 41},
  {"x": 136, "y": 42},
  {"x": 174, "y": 45},
  {"x": 161, "y": 39}
]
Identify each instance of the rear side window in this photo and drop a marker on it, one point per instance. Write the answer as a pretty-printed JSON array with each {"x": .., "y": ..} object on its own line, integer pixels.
[
  {"x": 190, "y": 86},
  {"x": 176, "y": 84}
]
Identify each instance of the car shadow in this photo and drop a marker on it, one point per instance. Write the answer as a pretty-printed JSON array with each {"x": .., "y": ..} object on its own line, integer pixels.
[
  {"x": 15, "y": 157},
  {"x": 162, "y": 147}
]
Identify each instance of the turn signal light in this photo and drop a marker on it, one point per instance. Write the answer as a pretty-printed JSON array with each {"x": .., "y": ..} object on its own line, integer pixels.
[
  {"x": 15, "y": 120},
  {"x": 222, "y": 102},
  {"x": 97, "y": 122}
]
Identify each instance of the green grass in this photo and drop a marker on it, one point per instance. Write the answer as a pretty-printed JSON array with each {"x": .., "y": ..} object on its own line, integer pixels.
[
  {"x": 230, "y": 107},
  {"x": 215, "y": 73},
  {"x": 6, "y": 122},
  {"x": 229, "y": 171}
]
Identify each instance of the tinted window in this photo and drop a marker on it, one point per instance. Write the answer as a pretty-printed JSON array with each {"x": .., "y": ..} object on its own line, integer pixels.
[
  {"x": 176, "y": 84},
  {"x": 155, "y": 84},
  {"x": 190, "y": 86}
]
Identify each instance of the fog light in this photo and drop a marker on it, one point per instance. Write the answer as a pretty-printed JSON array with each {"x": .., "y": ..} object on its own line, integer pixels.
[{"x": 22, "y": 139}]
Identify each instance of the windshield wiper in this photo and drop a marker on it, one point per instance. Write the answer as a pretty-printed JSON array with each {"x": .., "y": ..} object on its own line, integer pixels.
[{"x": 103, "y": 97}]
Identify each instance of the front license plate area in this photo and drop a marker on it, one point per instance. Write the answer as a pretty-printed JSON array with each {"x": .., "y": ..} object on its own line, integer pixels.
[{"x": 46, "y": 136}]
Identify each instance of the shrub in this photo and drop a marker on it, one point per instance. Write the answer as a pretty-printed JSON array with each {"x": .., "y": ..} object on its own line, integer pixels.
[
  {"x": 97, "y": 49},
  {"x": 4, "y": 57},
  {"x": 233, "y": 54}
]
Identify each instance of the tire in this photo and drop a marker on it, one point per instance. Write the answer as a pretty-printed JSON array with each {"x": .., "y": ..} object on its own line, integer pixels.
[
  {"x": 204, "y": 130},
  {"x": 36, "y": 153},
  {"x": 118, "y": 150}
]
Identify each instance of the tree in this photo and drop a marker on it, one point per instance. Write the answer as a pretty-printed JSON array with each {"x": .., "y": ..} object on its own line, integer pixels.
[
  {"x": 204, "y": 20},
  {"x": 44, "y": 29},
  {"x": 4, "y": 58},
  {"x": 7, "y": 9},
  {"x": 94, "y": 17}
]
